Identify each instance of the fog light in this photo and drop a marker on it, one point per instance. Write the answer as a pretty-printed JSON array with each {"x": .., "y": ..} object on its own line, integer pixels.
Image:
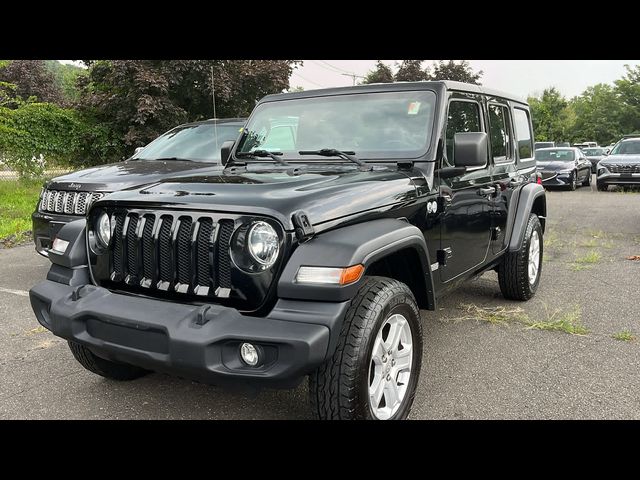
[
  {"x": 249, "y": 354},
  {"x": 59, "y": 246}
]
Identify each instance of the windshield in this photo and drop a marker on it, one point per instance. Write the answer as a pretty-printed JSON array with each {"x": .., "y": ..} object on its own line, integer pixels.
[
  {"x": 555, "y": 155},
  {"x": 191, "y": 142},
  {"x": 373, "y": 125},
  {"x": 593, "y": 152},
  {"x": 627, "y": 148},
  {"x": 543, "y": 144}
]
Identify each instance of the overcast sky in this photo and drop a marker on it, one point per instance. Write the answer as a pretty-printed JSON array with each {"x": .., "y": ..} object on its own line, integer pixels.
[{"x": 520, "y": 77}]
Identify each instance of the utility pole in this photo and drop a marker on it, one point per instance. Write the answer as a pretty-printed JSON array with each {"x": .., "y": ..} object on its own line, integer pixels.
[{"x": 353, "y": 76}]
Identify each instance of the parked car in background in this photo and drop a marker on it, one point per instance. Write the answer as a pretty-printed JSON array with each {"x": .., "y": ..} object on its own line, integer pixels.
[
  {"x": 563, "y": 144},
  {"x": 594, "y": 155},
  {"x": 621, "y": 166},
  {"x": 186, "y": 149},
  {"x": 563, "y": 167},
  {"x": 538, "y": 145}
]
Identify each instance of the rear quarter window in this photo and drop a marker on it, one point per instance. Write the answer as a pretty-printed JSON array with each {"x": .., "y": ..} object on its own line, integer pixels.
[{"x": 524, "y": 137}]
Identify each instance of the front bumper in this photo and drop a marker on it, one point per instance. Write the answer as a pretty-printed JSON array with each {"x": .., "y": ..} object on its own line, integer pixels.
[
  {"x": 608, "y": 178},
  {"x": 552, "y": 178},
  {"x": 45, "y": 226},
  {"x": 197, "y": 342}
]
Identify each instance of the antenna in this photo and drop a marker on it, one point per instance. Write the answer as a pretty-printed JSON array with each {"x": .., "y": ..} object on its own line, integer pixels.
[
  {"x": 215, "y": 116},
  {"x": 353, "y": 76}
]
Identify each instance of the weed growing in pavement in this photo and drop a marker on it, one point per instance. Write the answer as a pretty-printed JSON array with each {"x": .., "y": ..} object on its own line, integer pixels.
[
  {"x": 624, "y": 336},
  {"x": 567, "y": 322}
]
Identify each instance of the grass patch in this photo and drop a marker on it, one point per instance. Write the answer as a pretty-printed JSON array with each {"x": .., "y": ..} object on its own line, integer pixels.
[
  {"x": 567, "y": 322},
  {"x": 624, "y": 336},
  {"x": 36, "y": 330},
  {"x": 585, "y": 261},
  {"x": 18, "y": 200},
  {"x": 552, "y": 240},
  {"x": 495, "y": 315}
]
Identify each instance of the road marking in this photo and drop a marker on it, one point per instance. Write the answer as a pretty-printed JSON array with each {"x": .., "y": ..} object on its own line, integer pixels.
[{"x": 22, "y": 293}]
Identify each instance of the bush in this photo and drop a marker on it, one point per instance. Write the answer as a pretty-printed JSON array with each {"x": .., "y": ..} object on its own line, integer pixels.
[{"x": 36, "y": 134}]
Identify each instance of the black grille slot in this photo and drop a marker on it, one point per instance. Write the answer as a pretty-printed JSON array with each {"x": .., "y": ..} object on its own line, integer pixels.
[
  {"x": 183, "y": 255},
  {"x": 222, "y": 260},
  {"x": 118, "y": 268},
  {"x": 148, "y": 246},
  {"x": 204, "y": 242},
  {"x": 164, "y": 241},
  {"x": 132, "y": 253}
]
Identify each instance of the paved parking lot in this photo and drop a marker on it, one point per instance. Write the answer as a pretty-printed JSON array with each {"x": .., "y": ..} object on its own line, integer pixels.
[{"x": 472, "y": 367}]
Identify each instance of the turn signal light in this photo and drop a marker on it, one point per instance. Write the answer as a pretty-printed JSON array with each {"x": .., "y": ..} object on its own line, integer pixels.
[{"x": 330, "y": 275}]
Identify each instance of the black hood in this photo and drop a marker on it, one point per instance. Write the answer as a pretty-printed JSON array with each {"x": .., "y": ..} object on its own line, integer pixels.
[
  {"x": 126, "y": 175},
  {"x": 324, "y": 192},
  {"x": 555, "y": 165},
  {"x": 630, "y": 159}
]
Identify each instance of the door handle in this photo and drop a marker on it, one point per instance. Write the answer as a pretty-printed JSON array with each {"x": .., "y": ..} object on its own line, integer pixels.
[{"x": 487, "y": 191}]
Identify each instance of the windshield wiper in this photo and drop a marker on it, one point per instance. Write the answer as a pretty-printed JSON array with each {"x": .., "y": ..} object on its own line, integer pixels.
[
  {"x": 332, "y": 152},
  {"x": 263, "y": 154}
]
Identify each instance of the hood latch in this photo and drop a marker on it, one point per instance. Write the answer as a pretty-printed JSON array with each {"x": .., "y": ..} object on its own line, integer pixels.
[{"x": 304, "y": 229}]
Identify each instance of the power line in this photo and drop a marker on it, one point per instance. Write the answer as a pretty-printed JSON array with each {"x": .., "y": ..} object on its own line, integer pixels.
[
  {"x": 334, "y": 67},
  {"x": 307, "y": 80}
]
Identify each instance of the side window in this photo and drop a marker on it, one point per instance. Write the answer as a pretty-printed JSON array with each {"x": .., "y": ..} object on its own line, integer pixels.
[
  {"x": 500, "y": 133},
  {"x": 523, "y": 134},
  {"x": 463, "y": 117}
]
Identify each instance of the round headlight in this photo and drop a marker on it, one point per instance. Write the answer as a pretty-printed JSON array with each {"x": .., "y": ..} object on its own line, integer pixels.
[
  {"x": 263, "y": 244},
  {"x": 103, "y": 229}
]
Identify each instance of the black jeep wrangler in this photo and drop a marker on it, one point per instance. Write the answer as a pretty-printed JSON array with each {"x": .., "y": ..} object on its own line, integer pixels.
[{"x": 338, "y": 214}]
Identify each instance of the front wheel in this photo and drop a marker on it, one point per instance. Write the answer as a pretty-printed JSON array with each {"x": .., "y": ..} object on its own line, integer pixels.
[
  {"x": 519, "y": 272},
  {"x": 602, "y": 187},
  {"x": 374, "y": 370},
  {"x": 573, "y": 181}
]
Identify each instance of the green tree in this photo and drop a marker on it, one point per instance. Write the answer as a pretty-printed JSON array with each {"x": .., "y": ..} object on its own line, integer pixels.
[
  {"x": 32, "y": 80},
  {"x": 551, "y": 117},
  {"x": 411, "y": 71},
  {"x": 628, "y": 90},
  {"x": 599, "y": 115},
  {"x": 139, "y": 99},
  {"x": 65, "y": 78},
  {"x": 460, "y": 72},
  {"x": 380, "y": 74}
]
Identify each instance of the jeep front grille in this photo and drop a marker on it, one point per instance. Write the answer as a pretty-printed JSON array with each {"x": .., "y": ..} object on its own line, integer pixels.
[
  {"x": 183, "y": 253},
  {"x": 623, "y": 168},
  {"x": 70, "y": 203}
]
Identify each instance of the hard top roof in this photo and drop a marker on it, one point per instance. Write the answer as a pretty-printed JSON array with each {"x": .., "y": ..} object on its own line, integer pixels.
[{"x": 437, "y": 85}]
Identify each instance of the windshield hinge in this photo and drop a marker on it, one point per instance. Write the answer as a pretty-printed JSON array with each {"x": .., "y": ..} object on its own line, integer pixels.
[{"x": 304, "y": 229}]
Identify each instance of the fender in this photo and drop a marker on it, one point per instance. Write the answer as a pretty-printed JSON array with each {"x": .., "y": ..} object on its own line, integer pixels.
[
  {"x": 363, "y": 243},
  {"x": 525, "y": 201}
]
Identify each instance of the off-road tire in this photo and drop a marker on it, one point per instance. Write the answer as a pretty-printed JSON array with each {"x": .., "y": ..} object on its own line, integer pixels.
[
  {"x": 338, "y": 389},
  {"x": 602, "y": 188},
  {"x": 102, "y": 367},
  {"x": 513, "y": 274}
]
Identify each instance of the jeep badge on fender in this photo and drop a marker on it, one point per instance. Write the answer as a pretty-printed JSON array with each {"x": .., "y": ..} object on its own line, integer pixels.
[{"x": 336, "y": 216}]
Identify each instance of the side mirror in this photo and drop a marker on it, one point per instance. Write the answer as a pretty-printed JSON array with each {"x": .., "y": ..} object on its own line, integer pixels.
[
  {"x": 606, "y": 152},
  {"x": 225, "y": 151},
  {"x": 470, "y": 149}
]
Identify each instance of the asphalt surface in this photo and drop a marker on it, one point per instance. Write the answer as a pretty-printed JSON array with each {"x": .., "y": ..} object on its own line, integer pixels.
[{"x": 471, "y": 369}]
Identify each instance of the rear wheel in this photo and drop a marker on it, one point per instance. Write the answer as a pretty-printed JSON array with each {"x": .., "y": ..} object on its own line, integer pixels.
[
  {"x": 374, "y": 370},
  {"x": 102, "y": 367},
  {"x": 519, "y": 272}
]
